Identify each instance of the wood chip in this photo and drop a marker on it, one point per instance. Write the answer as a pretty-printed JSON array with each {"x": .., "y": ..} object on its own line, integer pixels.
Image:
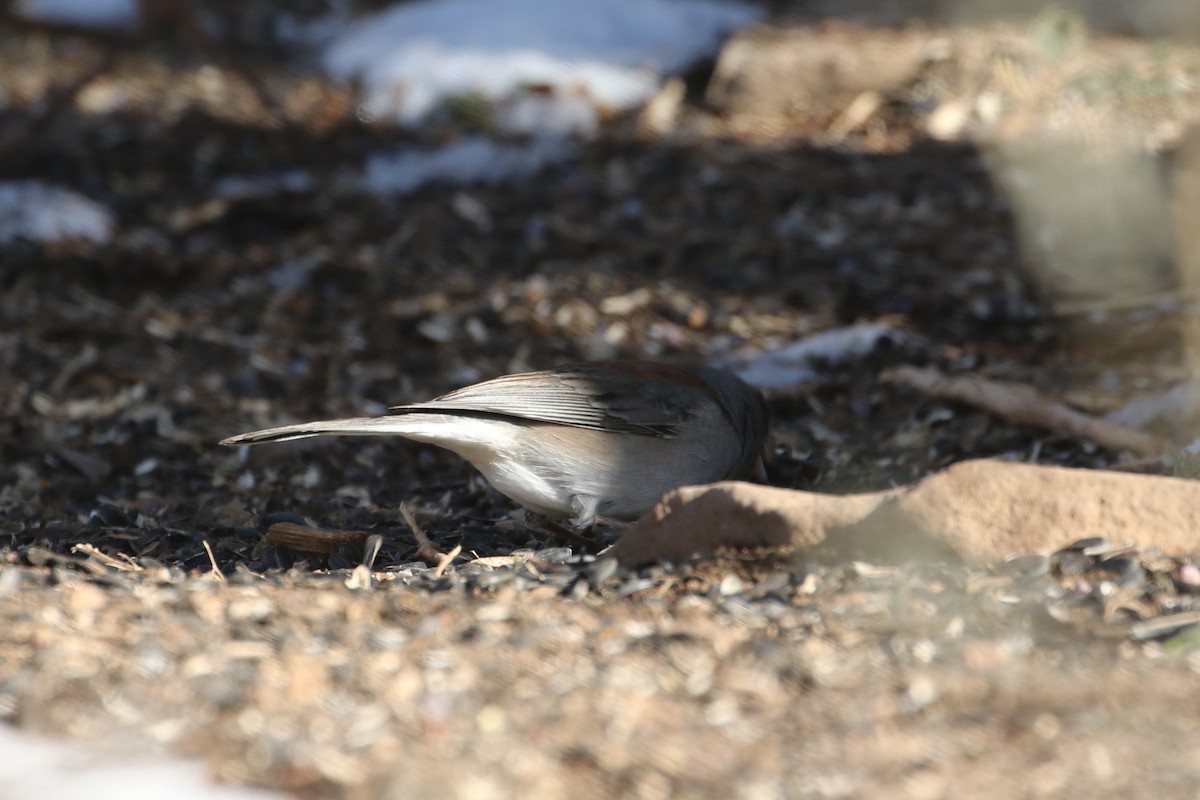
[{"x": 312, "y": 541}]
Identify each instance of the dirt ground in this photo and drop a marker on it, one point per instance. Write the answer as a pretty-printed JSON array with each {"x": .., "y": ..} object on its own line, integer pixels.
[{"x": 141, "y": 601}]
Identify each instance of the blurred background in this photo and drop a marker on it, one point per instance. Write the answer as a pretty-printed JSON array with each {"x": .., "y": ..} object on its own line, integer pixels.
[{"x": 218, "y": 216}]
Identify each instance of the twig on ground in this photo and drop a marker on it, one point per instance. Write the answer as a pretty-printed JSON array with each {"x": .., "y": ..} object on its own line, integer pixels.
[
  {"x": 114, "y": 563},
  {"x": 585, "y": 544},
  {"x": 426, "y": 549},
  {"x": 1023, "y": 406},
  {"x": 1157, "y": 464},
  {"x": 216, "y": 571},
  {"x": 445, "y": 561}
]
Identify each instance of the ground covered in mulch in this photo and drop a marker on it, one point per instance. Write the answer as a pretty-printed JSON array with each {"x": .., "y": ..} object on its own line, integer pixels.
[{"x": 139, "y": 595}]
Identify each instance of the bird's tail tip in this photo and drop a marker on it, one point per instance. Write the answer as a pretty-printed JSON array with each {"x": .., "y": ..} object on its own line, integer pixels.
[
  {"x": 357, "y": 426},
  {"x": 255, "y": 437}
]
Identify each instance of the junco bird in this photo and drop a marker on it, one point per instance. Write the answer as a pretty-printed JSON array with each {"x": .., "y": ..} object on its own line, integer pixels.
[{"x": 602, "y": 439}]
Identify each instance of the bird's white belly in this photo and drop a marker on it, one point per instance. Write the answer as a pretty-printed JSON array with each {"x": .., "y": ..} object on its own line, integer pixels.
[
  {"x": 526, "y": 487},
  {"x": 499, "y": 449}
]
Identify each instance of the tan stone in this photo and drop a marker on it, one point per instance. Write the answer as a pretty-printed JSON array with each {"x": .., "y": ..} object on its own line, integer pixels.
[{"x": 976, "y": 510}]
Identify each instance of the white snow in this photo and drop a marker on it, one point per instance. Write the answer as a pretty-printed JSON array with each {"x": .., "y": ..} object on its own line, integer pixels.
[
  {"x": 548, "y": 115},
  {"x": 36, "y": 769},
  {"x": 795, "y": 363},
  {"x": 546, "y": 68},
  {"x": 100, "y": 13},
  {"x": 467, "y": 160},
  {"x": 615, "y": 53},
  {"x": 40, "y": 212},
  {"x": 240, "y": 187}
]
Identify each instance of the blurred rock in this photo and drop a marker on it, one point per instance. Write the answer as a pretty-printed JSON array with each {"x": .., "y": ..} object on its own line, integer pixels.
[{"x": 795, "y": 72}]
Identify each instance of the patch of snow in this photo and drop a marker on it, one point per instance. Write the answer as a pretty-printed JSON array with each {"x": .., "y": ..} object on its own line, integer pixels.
[
  {"x": 535, "y": 114},
  {"x": 468, "y": 160},
  {"x": 795, "y": 363},
  {"x": 34, "y": 769},
  {"x": 613, "y": 53},
  {"x": 38, "y": 212},
  {"x": 239, "y": 187},
  {"x": 98, "y": 13}
]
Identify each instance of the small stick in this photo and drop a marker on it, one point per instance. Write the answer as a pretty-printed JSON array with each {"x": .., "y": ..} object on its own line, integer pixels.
[
  {"x": 1154, "y": 465},
  {"x": 563, "y": 532},
  {"x": 213, "y": 560},
  {"x": 371, "y": 550},
  {"x": 104, "y": 558},
  {"x": 445, "y": 561},
  {"x": 1021, "y": 405},
  {"x": 426, "y": 549}
]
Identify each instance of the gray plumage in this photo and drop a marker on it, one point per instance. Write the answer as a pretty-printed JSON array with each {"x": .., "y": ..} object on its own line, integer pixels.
[{"x": 583, "y": 440}]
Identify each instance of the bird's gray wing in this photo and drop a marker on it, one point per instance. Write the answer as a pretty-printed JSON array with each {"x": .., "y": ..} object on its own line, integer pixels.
[{"x": 652, "y": 400}]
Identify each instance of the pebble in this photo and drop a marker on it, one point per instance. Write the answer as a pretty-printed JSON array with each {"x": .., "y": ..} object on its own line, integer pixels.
[
  {"x": 1030, "y": 565},
  {"x": 601, "y": 570},
  {"x": 10, "y": 580},
  {"x": 1189, "y": 575},
  {"x": 775, "y": 582},
  {"x": 1159, "y": 627},
  {"x": 578, "y": 588},
  {"x": 1087, "y": 543},
  {"x": 1071, "y": 562},
  {"x": 559, "y": 579},
  {"x": 634, "y": 585},
  {"x": 554, "y": 555},
  {"x": 730, "y": 585},
  {"x": 1128, "y": 572},
  {"x": 110, "y": 515}
]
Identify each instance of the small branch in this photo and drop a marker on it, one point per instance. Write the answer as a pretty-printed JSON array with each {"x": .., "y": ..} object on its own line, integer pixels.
[
  {"x": 426, "y": 550},
  {"x": 445, "y": 560},
  {"x": 216, "y": 571},
  {"x": 1021, "y": 405},
  {"x": 584, "y": 544},
  {"x": 105, "y": 559}
]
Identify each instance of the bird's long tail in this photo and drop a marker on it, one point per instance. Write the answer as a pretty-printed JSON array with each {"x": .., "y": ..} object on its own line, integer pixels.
[{"x": 399, "y": 425}]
